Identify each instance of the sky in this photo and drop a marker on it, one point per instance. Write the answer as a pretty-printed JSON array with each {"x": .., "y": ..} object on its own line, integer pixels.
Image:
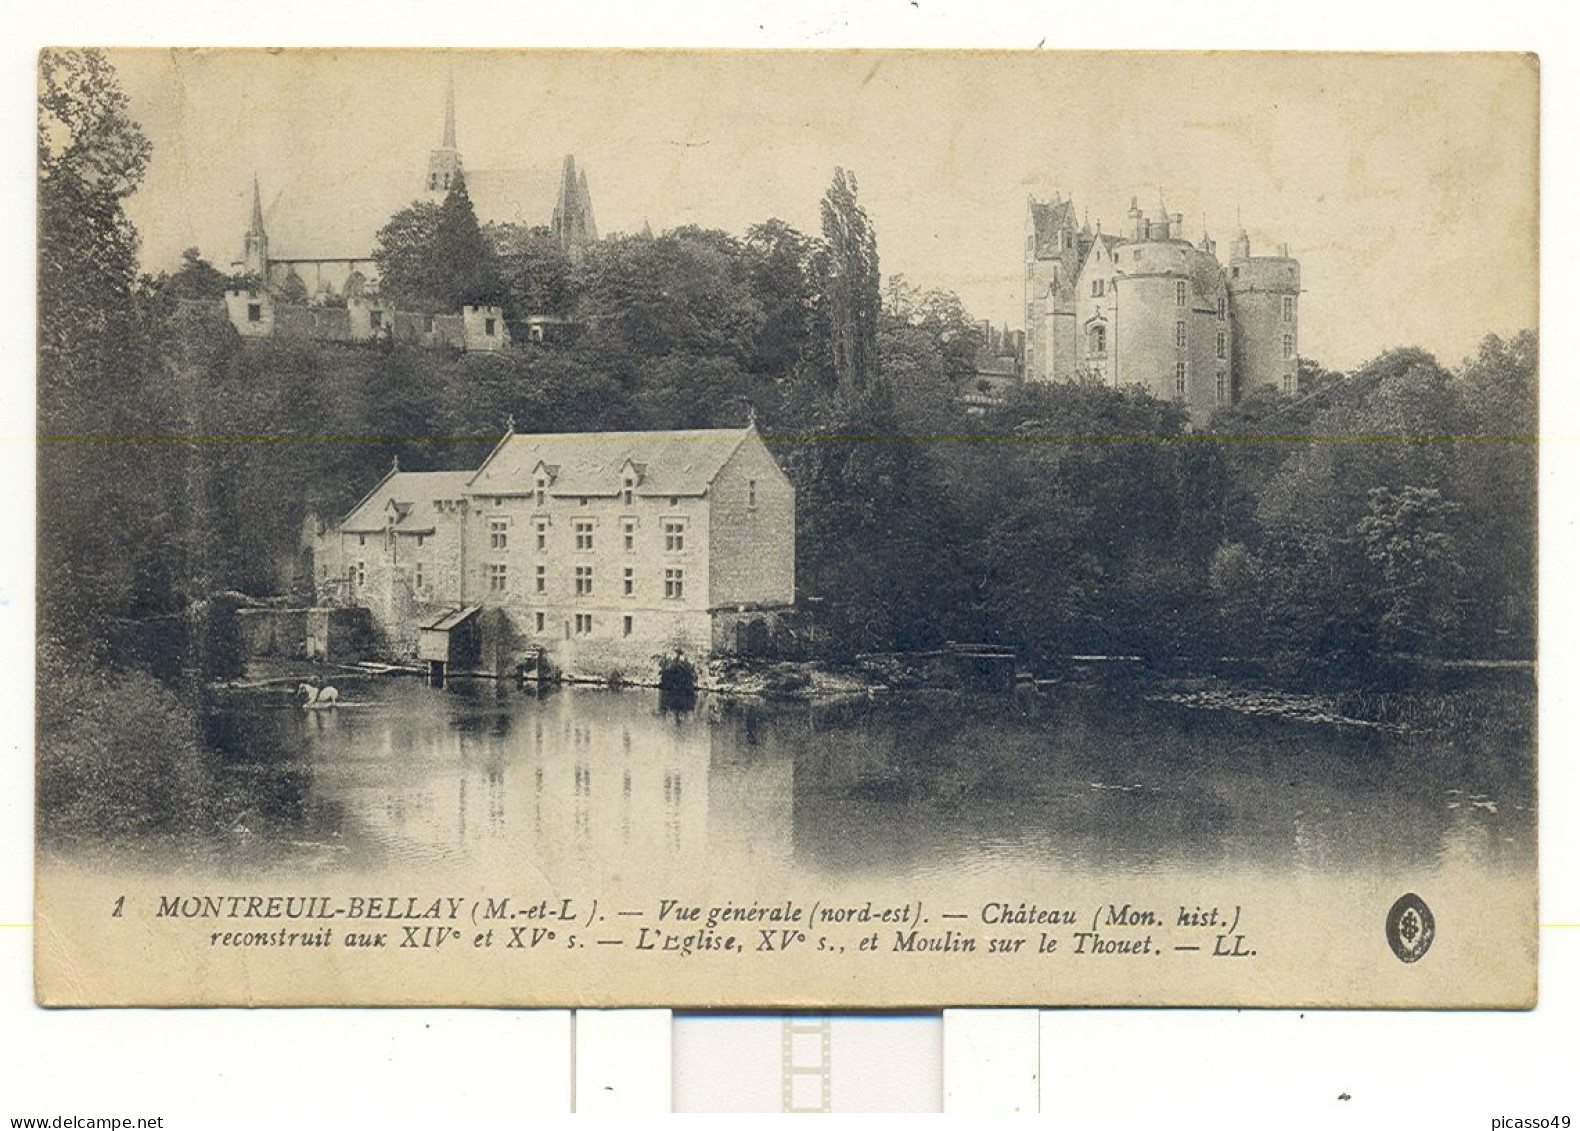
[{"x": 1405, "y": 184}]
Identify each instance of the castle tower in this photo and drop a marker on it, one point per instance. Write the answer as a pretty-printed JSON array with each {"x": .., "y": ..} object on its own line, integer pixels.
[
  {"x": 1264, "y": 293},
  {"x": 572, "y": 223},
  {"x": 444, "y": 163},
  {"x": 255, "y": 244}
]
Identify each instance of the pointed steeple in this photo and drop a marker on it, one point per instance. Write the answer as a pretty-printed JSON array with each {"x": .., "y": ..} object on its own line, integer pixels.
[
  {"x": 449, "y": 113},
  {"x": 572, "y": 222},
  {"x": 255, "y": 243},
  {"x": 256, "y": 227},
  {"x": 444, "y": 163}
]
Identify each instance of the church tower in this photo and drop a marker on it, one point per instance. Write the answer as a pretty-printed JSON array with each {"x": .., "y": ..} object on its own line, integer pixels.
[
  {"x": 572, "y": 223},
  {"x": 255, "y": 244},
  {"x": 444, "y": 163}
]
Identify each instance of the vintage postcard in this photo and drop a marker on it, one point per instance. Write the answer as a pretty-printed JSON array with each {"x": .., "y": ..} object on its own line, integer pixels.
[{"x": 786, "y": 529}]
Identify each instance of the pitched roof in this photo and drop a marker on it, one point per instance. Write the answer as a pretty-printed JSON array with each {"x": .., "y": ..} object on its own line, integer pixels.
[
  {"x": 1048, "y": 218},
  {"x": 590, "y": 463},
  {"x": 411, "y": 492}
]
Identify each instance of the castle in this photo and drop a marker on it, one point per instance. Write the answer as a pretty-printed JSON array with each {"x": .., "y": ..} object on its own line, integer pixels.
[
  {"x": 1154, "y": 310},
  {"x": 332, "y": 294}
]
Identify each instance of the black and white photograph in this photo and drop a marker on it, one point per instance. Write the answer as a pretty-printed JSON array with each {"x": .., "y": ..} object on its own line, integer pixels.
[{"x": 847, "y": 530}]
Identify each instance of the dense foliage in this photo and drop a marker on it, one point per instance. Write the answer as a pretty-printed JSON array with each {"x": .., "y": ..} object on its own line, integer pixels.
[{"x": 1386, "y": 511}]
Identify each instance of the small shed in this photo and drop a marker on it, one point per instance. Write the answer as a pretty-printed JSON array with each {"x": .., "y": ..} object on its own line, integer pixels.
[{"x": 450, "y": 641}]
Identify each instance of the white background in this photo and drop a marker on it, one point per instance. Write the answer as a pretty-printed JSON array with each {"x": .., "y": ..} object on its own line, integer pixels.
[{"x": 1107, "y": 1068}]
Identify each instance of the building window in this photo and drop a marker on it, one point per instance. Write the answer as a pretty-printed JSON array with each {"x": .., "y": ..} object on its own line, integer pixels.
[
  {"x": 417, "y": 578},
  {"x": 1289, "y": 345},
  {"x": 583, "y": 624},
  {"x": 1179, "y": 378},
  {"x": 498, "y": 534},
  {"x": 630, "y": 581},
  {"x": 255, "y": 312},
  {"x": 420, "y": 537},
  {"x": 541, "y": 491},
  {"x": 1099, "y": 339},
  {"x": 496, "y": 577},
  {"x": 361, "y": 574},
  {"x": 1223, "y": 308},
  {"x": 1179, "y": 293},
  {"x": 488, "y": 327},
  {"x": 628, "y": 528},
  {"x": 674, "y": 537},
  {"x": 628, "y": 625},
  {"x": 584, "y": 581},
  {"x": 499, "y": 500},
  {"x": 539, "y": 620},
  {"x": 628, "y": 491},
  {"x": 427, "y": 323},
  {"x": 1289, "y": 308},
  {"x": 674, "y": 584},
  {"x": 674, "y": 500},
  {"x": 1289, "y": 384},
  {"x": 584, "y": 532},
  {"x": 542, "y": 529},
  {"x": 1179, "y": 334},
  {"x": 1223, "y": 386},
  {"x": 375, "y": 319},
  {"x": 1097, "y": 288},
  {"x": 1223, "y": 344},
  {"x": 751, "y": 494},
  {"x": 541, "y": 579}
]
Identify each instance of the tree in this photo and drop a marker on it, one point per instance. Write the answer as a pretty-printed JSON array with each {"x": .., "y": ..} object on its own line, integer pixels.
[
  {"x": 435, "y": 256},
  {"x": 779, "y": 265},
  {"x": 196, "y": 278},
  {"x": 1416, "y": 566},
  {"x": 848, "y": 264},
  {"x": 534, "y": 269},
  {"x": 91, "y": 157}
]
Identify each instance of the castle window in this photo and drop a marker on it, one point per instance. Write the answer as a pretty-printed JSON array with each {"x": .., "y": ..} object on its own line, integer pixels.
[
  {"x": 375, "y": 319},
  {"x": 674, "y": 537},
  {"x": 1289, "y": 345},
  {"x": 629, "y": 582},
  {"x": 584, "y": 581},
  {"x": 583, "y": 624},
  {"x": 362, "y": 539},
  {"x": 584, "y": 535},
  {"x": 626, "y": 492},
  {"x": 255, "y": 312},
  {"x": 541, "y": 491},
  {"x": 543, "y": 535},
  {"x": 1179, "y": 378},
  {"x": 1223, "y": 308},
  {"x": 630, "y": 623},
  {"x": 1289, "y": 384},
  {"x": 1234, "y": 272},
  {"x": 417, "y": 577},
  {"x": 539, "y": 621},
  {"x": 1179, "y": 334},
  {"x": 361, "y": 574},
  {"x": 1099, "y": 339},
  {"x": 1289, "y": 308},
  {"x": 751, "y": 494},
  {"x": 498, "y": 534},
  {"x": 1223, "y": 344},
  {"x": 1223, "y": 386},
  {"x": 496, "y": 577},
  {"x": 1097, "y": 288},
  {"x": 628, "y": 529},
  {"x": 674, "y": 584},
  {"x": 541, "y": 579},
  {"x": 1179, "y": 294},
  {"x": 488, "y": 327},
  {"x": 427, "y": 323}
]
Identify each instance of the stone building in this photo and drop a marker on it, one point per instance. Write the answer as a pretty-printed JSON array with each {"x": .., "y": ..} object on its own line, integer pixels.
[
  {"x": 1150, "y": 308},
  {"x": 602, "y": 550}
]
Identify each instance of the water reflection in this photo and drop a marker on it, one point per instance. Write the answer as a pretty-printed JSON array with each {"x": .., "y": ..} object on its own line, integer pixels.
[{"x": 582, "y": 784}]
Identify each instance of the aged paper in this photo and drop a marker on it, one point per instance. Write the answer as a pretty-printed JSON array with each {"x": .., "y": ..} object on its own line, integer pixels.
[{"x": 843, "y": 530}]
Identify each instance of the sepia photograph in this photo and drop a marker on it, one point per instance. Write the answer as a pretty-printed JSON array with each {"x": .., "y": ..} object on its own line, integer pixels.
[{"x": 847, "y": 529}]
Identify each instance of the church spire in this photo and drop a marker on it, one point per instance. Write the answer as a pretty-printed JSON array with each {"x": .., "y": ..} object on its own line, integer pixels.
[
  {"x": 449, "y": 113},
  {"x": 256, "y": 227},
  {"x": 572, "y": 222}
]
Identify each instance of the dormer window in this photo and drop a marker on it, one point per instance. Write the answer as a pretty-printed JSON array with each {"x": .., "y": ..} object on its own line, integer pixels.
[
  {"x": 1097, "y": 288},
  {"x": 628, "y": 490},
  {"x": 541, "y": 491}
]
